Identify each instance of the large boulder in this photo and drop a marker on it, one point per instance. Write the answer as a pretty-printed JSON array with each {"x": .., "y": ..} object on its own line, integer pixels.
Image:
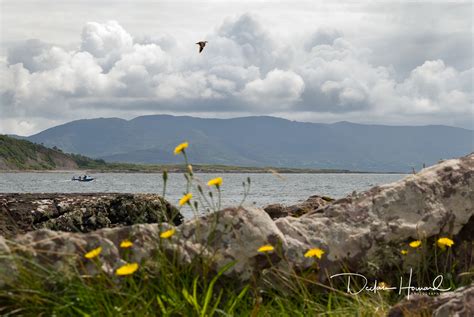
[
  {"x": 438, "y": 201},
  {"x": 459, "y": 303},
  {"x": 21, "y": 213},
  {"x": 369, "y": 227}
]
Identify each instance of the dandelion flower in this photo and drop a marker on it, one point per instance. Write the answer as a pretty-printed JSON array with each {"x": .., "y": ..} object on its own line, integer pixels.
[
  {"x": 167, "y": 234},
  {"x": 215, "y": 181},
  {"x": 185, "y": 199},
  {"x": 180, "y": 148},
  {"x": 93, "y": 253},
  {"x": 404, "y": 252},
  {"x": 415, "y": 244},
  {"x": 127, "y": 269},
  {"x": 266, "y": 248},
  {"x": 315, "y": 252},
  {"x": 445, "y": 242},
  {"x": 126, "y": 244}
]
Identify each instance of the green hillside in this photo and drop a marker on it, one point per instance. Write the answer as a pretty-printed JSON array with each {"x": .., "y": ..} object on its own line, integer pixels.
[{"x": 18, "y": 154}]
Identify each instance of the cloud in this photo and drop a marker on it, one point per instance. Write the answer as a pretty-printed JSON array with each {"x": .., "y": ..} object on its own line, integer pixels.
[
  {"x": 278, "y": 89},
  {"x": 106, "y": 42},
  {"x": 436, "y": 88},
  {"x": 339, "y": 77},
  {"x": 134, "y": 74},
  {"x": 244, "y": 69},
  {"x": 322, "y": 36},
  {"x": 29, "y": 53},
  {"x": 246, "y": 36}
]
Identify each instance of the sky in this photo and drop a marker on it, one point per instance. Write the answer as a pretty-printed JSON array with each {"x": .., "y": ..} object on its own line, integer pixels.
[{"x": 374, "y": 62}]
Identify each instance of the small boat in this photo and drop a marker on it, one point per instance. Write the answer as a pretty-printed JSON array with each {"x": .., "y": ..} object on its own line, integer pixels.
[{"x": 84, "y": 178}]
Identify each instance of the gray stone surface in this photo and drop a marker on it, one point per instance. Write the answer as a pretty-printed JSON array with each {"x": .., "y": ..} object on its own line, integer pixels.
[
  {"x": 439, "y": 200},
  {"x": 459, "y": 303}
]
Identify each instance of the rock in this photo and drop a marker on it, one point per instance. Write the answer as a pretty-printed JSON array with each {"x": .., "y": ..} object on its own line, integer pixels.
[
  {"x": 366, "y": 227},
  {"x": 459, "y": 303},
  {"x": 236, "y": 236},
  {"x": 81, "y": 212},
  {"x": 313, "y": 203},
  {"x": 276, "y": 211},
  {"x": 63, "y": 250},
  {"x": 373, "y": 224}
]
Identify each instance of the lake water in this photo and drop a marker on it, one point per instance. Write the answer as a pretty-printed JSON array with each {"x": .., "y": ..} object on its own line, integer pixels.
[{"x": 265, "y": 188}]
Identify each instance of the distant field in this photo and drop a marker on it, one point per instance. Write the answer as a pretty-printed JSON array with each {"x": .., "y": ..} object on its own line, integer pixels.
[{"x": 178, "y": 168}]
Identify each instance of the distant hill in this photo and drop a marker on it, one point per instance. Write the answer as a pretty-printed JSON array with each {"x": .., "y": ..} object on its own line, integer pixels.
[
  {"x": 16, "y": 154},
  {"x": 260, "y": 141}
]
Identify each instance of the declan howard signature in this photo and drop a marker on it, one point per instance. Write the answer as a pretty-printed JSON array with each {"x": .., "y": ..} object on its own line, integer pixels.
[{"x": 404, "y": 286}]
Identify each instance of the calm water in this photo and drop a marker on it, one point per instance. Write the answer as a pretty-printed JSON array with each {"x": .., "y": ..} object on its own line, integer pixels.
[{"x": 265, "y": 188}]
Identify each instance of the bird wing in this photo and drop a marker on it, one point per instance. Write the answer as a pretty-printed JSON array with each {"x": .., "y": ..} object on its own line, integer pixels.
[{"x": 201, "y": 47}]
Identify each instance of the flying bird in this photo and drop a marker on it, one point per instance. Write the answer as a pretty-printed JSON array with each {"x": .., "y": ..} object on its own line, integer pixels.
[{"x": 201, "y": 45}]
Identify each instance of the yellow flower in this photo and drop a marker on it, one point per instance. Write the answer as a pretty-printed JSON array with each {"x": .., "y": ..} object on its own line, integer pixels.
[
  {"x": 215, "y": 181},
  {"x": 266, "y": 248},
  {"x": 383, "y": 285},
  {"x": 127, "y": 269},
  {"x": 180, "y": 148},
  {"x": 445, "y": 242},
  {"x": 185, "y": 199},
  {"x": 126, "y": 244},
  {"x": 404, "y": 252},
  {"x": 167, "y": 234},
  {"x": 315, "y": 252},
  {"x": 93, "y": 253},
  {"x": 415, "y": 244}
]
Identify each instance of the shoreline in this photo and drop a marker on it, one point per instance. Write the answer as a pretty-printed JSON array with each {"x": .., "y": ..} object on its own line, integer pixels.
[{"x": 197, "y": 170}]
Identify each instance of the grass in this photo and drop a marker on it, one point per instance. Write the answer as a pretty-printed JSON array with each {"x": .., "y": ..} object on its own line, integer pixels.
[
  {"x": 173, "y": 289},
  {"x": 167, "y": 287}
]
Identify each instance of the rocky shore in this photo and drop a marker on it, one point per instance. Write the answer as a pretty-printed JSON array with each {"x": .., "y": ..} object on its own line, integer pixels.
[
  {"x": 21, "y": 213},
  {"x": 361, "y": 233}
]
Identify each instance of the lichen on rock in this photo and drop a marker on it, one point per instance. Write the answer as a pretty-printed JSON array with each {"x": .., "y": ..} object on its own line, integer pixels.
[{"x": 81, "y": 212}]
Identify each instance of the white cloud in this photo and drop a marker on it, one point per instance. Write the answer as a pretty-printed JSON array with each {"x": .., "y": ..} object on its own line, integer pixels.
[
  {"x": 435, "y": 87},
  {"x": 246, "y": 36},
  {"x": 105, "y": 41},
  {"x": 323, "y": 36},
  {"x": 244, "y": 69},
  {"x": 28, "y": 53},
  {"x": 278, "y": 89}
]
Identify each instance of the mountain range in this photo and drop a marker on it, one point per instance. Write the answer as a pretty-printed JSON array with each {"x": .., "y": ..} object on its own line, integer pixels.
[{"x": 260, "y": 141}]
